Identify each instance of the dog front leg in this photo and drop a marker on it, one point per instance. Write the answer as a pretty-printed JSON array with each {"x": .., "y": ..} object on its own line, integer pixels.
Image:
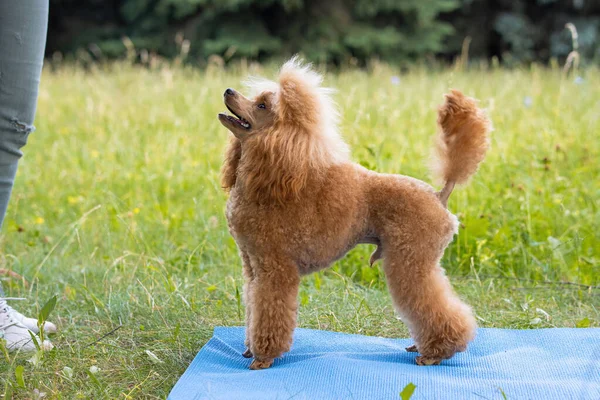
[
  {"x": 247, "y": 296},
  {"x": 273, "y": 309}
]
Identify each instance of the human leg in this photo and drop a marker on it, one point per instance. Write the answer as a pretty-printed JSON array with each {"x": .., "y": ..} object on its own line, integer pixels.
[{"x": 23, "y": 26}]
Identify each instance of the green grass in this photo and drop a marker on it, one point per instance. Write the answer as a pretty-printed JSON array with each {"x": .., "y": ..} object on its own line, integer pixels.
[{"x": 117, "y": 210}]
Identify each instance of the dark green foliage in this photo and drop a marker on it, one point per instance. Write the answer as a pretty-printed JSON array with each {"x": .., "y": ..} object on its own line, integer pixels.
[
  {"x": 533, "y": 30},
  {"x": 331, "y": 31},
  {"x": 527, "y": 30}
]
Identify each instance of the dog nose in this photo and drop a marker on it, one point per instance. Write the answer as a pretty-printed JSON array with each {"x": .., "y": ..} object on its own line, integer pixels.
[{"x": 229, "y": 92}]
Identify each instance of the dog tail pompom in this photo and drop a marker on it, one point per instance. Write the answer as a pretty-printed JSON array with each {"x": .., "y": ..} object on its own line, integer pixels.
[{"x": 462, "y": 142}]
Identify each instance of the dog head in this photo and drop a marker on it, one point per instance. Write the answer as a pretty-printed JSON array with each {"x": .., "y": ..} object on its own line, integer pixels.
[
  {"x": 286, "y": 133},
  {"x": 250, "y": 116}
]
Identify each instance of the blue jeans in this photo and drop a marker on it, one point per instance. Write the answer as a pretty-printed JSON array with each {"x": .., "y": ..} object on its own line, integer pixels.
[{"x": 23, "y": 26}]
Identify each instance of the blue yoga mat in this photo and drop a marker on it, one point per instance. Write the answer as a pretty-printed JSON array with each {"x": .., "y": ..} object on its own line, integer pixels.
[{"x": 560, "y": 363}]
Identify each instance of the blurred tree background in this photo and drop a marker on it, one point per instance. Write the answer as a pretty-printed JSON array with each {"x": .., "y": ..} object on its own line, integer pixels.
[{"x": 326, "y": 31}]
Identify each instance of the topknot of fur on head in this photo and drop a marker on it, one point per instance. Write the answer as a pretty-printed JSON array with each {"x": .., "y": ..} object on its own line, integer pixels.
[{"x": 302, "y": 143}]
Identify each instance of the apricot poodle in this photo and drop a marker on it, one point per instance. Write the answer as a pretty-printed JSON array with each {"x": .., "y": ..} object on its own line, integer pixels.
[{"x": 297, "y": 204}]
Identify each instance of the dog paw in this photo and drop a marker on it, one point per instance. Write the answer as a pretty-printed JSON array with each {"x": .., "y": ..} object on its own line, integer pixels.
[
  {"x": 412, "y": 349},
  {"x": 421, "y": 360},
  {"x": 247, "y": 354},
  {"x": 260, "y": 364}
]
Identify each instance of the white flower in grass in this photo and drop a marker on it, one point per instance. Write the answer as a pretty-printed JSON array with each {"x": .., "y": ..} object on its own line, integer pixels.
[
  {"x": 153, "y": 357},
  {"x": 544, "y": 313},
  {"x": 68, "y": 372}
]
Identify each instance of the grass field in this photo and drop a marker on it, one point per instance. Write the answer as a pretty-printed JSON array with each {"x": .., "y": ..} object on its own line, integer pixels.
[{"x": 117, "y": 210}]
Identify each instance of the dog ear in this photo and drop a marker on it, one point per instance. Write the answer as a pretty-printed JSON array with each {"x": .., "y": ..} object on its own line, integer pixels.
[
  {"x": 233, "y": 153},
  {"x": 276, "y": 165}
]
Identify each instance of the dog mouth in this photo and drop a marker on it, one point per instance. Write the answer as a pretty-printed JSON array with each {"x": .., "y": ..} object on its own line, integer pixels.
[{"x": 241, "y": 121}]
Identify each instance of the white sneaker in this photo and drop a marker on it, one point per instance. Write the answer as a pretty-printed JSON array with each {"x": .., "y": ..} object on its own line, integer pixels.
[
  {"x": 29, "y": 323},
  {"x": 16, "y": 335}
]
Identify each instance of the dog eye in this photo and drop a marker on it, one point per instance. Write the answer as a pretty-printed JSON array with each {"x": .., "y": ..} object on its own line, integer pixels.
[{"x": 262, "y": 105}]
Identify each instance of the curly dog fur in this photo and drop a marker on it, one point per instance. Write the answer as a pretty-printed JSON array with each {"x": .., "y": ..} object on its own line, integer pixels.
[{"x": 297, "y": 204}]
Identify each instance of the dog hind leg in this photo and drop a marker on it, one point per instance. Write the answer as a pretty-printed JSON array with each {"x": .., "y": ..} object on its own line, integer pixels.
[{"x": 439, "y": 322}]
